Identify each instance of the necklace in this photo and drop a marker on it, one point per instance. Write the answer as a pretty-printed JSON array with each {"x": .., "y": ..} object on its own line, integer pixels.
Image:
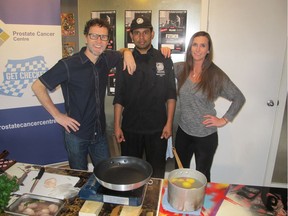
[{"x": 195, "y": 75}]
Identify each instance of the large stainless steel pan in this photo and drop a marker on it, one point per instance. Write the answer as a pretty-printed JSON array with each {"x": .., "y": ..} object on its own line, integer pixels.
[{"x": 123, "y": 173}]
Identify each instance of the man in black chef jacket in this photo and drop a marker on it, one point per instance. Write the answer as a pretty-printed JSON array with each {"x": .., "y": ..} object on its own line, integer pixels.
[{"x": 146, "y": 100}]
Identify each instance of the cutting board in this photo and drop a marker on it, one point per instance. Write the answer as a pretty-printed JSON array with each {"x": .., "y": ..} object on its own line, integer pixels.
[{"x": 64, "y": 185}]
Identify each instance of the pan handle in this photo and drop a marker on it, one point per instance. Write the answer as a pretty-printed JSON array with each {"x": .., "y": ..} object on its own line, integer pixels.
[{"x": 177, "y": 158}]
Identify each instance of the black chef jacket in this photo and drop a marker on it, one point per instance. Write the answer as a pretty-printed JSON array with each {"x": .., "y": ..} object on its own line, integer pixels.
[{"x": 145, "y": 93}]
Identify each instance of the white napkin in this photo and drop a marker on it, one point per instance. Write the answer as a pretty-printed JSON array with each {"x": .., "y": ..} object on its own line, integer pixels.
[{"x": 169, "y": 152}]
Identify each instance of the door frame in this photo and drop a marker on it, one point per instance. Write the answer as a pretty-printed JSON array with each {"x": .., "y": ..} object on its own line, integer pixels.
[{"x": 277, "y": 128}]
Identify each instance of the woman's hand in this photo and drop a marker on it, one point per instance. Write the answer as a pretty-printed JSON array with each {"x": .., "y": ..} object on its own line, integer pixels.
[{"x": 211, "y": 121}]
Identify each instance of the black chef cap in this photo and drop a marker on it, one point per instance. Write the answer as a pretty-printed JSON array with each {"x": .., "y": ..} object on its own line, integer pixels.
[{"x": 140, "y": 22}]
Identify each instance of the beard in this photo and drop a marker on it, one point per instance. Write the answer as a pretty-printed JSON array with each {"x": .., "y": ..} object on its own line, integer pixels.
[{"x": 97, "y": 52}]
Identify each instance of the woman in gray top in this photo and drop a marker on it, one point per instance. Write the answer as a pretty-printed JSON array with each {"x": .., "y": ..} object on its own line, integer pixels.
[{"x": 200, "y": 83}]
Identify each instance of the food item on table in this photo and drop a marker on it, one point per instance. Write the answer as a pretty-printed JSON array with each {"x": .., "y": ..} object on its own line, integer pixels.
[
  {"x": 29, "y": 211},
  {"x": 7, "y": 185},
  {"x": 91, "y": 208},
  {"x": 37, "y": 207},
  {"x": 50, "y": 183},
  {"x": 186, "y": 182},
  {"x": 53, "y": 208},
  {"x": 31, "y": 204}
]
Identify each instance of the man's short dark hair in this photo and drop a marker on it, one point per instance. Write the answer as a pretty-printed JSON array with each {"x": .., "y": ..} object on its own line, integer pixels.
[{"x": 96, "y": 22}]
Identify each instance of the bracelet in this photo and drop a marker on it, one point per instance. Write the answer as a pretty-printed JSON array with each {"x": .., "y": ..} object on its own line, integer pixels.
[{"x": 225, "y": 120}]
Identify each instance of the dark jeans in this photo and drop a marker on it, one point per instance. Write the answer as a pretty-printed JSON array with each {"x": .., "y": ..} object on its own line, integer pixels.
[
  {"x": 154, "y": 146},
  {"x": 204, "y": 149},
  {"x": 78, "y": 150}
]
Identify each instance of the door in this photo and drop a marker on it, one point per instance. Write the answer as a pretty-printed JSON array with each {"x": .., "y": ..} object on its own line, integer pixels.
[{"x": 249, "y": 39}]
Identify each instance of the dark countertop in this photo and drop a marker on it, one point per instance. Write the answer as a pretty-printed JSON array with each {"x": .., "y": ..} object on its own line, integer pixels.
[
  {"x": 220, "y": 198},
  {"x": 73, "y": 205}
]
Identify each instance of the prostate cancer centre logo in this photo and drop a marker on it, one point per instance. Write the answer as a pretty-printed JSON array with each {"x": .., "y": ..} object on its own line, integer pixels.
[
  {"x": 3, "y": 36},
  {"x": 19, "y": 73}
]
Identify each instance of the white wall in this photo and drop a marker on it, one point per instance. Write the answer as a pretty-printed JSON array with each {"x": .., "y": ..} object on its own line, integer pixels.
[{"x": 250, "y": 43}]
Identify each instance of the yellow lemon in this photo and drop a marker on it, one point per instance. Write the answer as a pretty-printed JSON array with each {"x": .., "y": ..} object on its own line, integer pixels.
[
  {"x": 190, "y": 180},
  {"x": 186, "y": 184},
  {"x": 173, "y": 180}
]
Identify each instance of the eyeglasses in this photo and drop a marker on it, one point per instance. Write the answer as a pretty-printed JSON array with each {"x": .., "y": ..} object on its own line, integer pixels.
[{"x": 93, "y": 36}]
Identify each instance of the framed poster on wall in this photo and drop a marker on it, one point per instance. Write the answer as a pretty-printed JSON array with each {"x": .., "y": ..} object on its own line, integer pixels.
[
  {"x": 68, "y": 49},
  {"x": 67, "y": 24},
  {"x": 110, "y": 17},
  {"x": 129, "y": 16},
  {"x": 172, "y": 30}
]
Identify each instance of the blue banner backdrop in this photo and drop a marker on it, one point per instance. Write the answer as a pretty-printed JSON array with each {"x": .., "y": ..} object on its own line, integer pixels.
[{"x": 30, "y": 43}]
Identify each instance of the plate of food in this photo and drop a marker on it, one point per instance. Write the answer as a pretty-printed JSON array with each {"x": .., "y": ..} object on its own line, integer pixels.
[{"x": 31, "y": 204}]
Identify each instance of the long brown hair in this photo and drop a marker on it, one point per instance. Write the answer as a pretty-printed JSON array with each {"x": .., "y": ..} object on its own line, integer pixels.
[{"x": 209, "y": 79}]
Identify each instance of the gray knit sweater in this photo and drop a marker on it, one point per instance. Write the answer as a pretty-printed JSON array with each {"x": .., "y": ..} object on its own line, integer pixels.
[{"x": 194, "y": 104}]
